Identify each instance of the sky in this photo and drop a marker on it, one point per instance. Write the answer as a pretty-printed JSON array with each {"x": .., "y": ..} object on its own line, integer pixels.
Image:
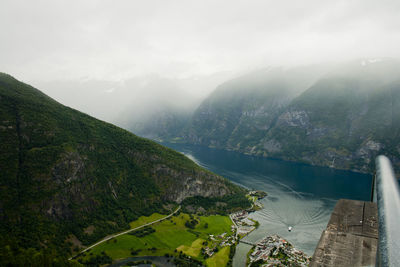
[
  {"x": 113, "y": 58},
  {"x": 46, "y": 40}
]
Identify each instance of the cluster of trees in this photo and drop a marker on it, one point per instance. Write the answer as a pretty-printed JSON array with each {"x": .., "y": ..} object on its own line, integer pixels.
[
  {"x": 191, "y": 223},
  {"x": 231, "y": 254},
  {"x": 184, "y": 261},
  {"x": 17, "y": 256},
  {"x": 220, "y": 205},
  {"x": 134, "y": 252},
  {"x": 143, "y": 232},
  {"x": 97, "y": 260},
  {"x": 257, "y": 263}
]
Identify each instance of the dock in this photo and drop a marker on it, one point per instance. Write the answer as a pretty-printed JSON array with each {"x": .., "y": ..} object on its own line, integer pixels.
[{"x": 351, "y": 236}]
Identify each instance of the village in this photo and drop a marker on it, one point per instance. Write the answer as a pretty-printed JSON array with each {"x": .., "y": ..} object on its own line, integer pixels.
[
  {"x": 272, "y": 250},
  {"x": 242, "y": 226},
  {"x": 219, "y": 242},
  {"x": 242, "y": 223},
  {"x": 276, "y": 251}
]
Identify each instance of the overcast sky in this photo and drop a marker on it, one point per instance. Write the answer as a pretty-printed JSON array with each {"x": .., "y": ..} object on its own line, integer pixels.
[{"x": 114, "y": 40}]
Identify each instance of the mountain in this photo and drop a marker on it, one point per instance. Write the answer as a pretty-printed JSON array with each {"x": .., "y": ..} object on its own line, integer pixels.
[
  {"x": 239, "y": 112},
  {"x": 68, "y": 179},
  {"x": 343, "y": 121},
  {"x": 144, "y": 104},
  {"x": 170, "y": 116},
  {"x": 163, "y": 123},
  {"x": 159, "y": 105},
  {"x": 337, "y": 115}
]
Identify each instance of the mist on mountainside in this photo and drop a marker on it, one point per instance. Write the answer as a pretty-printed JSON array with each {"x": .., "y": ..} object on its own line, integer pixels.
[
  {"x": 125, "y": 62},
  {"x": 262, "y": 92},
  {"x": 129, "y": 103},
  {"x": 161, "y": 108}
]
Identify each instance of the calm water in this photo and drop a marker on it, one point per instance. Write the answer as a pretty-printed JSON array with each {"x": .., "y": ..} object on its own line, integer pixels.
[{"x": 299, "y": 195}]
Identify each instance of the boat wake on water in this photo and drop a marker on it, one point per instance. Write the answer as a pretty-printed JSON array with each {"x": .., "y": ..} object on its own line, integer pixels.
[
  {"x": 298, "y": 217},
  {"x": 293, "y": 212}
]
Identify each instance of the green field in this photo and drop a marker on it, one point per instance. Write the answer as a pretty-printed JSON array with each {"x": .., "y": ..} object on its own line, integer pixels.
[
  {"x": 221, "y": 258},
  {"x": 170, "y": 235},
  {"x": 146, "y": 219},
  {"x": 194, "y": 249},
  {"x": 216, "y": 224}
]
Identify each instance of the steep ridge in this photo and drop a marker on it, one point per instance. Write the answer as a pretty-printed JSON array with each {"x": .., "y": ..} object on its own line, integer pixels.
[
  {"x": 69, "y": 178},
  {"x": 343, "y": 121},
  {"x": 239, "y": 112}
]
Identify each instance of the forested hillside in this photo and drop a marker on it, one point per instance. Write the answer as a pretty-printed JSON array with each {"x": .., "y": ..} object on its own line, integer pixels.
[{"x": 68, "y": 179}]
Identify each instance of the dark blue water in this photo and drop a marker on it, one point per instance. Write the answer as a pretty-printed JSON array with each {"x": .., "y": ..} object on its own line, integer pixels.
[
  {"x": 321, "y": 182},
  {"x": 299, "y": 195}
]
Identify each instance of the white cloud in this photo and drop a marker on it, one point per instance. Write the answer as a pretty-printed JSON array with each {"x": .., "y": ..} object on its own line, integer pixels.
[{"x": 116, "y": 40}]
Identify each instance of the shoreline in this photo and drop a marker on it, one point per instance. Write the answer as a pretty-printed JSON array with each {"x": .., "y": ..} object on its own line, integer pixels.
[
  {"x": 246, "y": 225},
  {"x": 328, "y": 166}
]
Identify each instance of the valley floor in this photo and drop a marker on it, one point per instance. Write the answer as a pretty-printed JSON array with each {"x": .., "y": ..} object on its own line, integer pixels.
[{"x": 207, "y": 239}]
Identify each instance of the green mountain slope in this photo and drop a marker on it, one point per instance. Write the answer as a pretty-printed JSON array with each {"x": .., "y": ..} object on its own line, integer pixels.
[
  {"x": 344, "y": 120},
  {"x": 239, "y": 112},
  {"x": 340, "y": 116},
  {"x": 63, "y": 172}
]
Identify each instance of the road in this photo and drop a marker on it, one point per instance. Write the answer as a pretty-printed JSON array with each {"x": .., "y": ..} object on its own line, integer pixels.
[
  {"x": 130, "y": 230},
  {"x": 234, "y": 223}
]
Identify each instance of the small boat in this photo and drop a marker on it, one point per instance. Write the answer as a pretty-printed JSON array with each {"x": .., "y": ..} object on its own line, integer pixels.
[{"x": 290, "y": 228}]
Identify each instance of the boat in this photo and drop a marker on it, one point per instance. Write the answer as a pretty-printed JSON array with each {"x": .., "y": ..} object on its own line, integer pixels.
[{"x": 290, "y": 228}]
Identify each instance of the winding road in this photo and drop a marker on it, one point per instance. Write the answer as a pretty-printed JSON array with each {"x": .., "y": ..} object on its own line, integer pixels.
[{"x": 122, "y": 233}]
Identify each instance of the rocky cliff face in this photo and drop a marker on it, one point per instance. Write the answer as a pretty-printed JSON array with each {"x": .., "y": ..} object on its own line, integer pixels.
[
  {"x": 197, "y": 184},
  {"x": 237, "y": 115},
  {"x": 343, "y": 121}
]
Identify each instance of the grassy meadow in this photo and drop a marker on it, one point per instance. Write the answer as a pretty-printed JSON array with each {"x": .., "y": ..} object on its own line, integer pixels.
[
  {"x": 171, "y": 236},
  {"x": 146, "y": 219},
  {"x": 220, "y": 258}
]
